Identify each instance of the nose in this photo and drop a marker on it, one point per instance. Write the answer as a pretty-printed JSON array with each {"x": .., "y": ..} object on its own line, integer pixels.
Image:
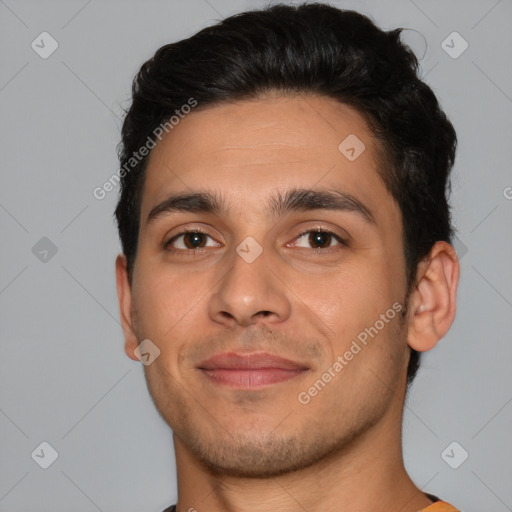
[{"x": 249, "y": 293}]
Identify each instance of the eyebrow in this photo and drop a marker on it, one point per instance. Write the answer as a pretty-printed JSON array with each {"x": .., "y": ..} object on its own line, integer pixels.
[{"x": 296, "y": 199}]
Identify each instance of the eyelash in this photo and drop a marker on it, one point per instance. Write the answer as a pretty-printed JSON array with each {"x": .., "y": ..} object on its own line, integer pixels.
[
  {"x": 192, "y": 252},
  {"x": 338, "y": 238}
]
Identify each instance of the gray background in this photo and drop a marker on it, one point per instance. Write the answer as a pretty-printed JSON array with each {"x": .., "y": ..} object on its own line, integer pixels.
[{"x": 64, "y": 377}]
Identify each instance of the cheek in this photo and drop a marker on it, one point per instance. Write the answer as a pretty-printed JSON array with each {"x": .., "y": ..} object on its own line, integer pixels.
[
  {"x": 163, "y": 313},
  {"x": 373, "y": 356},
  {"x": 358, "y": 292},
  {"x": 363, "y": 305},
  {"x": 163, "y": 301}
]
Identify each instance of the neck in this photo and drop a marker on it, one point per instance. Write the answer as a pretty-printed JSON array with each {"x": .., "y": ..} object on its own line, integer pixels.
[{"x": 367, "y": 476}]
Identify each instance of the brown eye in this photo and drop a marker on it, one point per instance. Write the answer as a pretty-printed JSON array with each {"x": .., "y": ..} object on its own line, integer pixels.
[
  {"x": 194, "y": 240},
  {"x": 319, "y": 239},
  {"x": 190, "y": 241}
]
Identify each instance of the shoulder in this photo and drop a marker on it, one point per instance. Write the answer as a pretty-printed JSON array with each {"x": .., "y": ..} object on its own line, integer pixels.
[{"x": 439, "y": 506}]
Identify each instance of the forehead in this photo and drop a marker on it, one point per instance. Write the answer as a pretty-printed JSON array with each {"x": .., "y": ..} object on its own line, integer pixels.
[{"x": 250, "y": 148}]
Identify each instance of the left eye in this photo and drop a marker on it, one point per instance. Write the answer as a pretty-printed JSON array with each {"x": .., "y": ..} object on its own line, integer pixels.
[{"x": 320, "y": 239}]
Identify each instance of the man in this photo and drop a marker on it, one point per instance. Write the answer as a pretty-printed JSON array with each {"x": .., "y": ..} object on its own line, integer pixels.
[{"x": 286, "y": 257}]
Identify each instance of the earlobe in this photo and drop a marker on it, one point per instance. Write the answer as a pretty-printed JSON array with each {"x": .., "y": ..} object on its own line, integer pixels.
[
  {"x": 124, "y": 295},
  {"x": 433, "y": 301}
]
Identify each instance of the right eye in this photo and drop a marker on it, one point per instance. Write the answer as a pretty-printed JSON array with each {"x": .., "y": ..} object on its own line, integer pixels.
[{"x": 189, "y": 241}]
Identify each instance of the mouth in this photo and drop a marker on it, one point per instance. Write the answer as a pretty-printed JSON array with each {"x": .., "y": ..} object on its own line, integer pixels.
[{"x": 250, "y": 371}]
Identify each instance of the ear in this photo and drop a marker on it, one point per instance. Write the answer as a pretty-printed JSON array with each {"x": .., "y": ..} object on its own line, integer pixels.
[
  {"x": 433, "y": 302},
  {"x": 124, "y": 295}
]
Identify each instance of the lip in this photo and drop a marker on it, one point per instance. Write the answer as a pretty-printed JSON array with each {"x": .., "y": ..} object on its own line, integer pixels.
[{"x": 249, "y": 371}]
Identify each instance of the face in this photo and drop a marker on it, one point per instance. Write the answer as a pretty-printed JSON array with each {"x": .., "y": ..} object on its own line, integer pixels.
[{"x": 295, "y": 251}]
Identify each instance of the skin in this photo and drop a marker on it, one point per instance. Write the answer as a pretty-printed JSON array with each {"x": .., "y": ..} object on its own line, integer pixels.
[{"x": 246, "y": 450}]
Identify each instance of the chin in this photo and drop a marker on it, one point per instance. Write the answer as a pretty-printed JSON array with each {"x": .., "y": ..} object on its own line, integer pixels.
[{"x": 268, "y": 457}]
